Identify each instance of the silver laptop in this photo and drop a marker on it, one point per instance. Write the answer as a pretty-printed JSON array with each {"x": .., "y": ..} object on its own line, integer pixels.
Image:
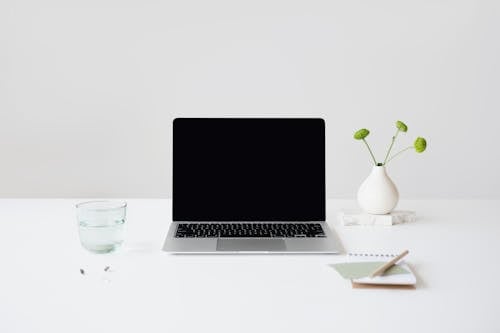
[{"x": 249, "y": 185}]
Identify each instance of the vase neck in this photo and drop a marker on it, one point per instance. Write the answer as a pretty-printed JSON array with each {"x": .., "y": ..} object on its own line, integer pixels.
[{"x": 379, "y": 169}]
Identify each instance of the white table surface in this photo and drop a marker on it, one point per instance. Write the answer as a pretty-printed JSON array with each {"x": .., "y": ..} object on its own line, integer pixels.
[{"x": 454, "y": 249}]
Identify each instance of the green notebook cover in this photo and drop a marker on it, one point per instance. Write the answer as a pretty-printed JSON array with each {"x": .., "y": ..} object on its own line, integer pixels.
[{"x": 357, "y": 270}]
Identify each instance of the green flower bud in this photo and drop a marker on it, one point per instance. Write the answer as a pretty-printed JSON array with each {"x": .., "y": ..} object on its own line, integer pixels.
[
  {"x": 420, "y": 145},
  {"x": 361, "y": 134},
  {"x": 401, "y": 126}
]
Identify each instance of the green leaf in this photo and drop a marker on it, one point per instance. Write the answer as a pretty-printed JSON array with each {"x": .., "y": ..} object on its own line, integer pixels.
[
  {"x": 420, "y": 145},
  {"x": 361, "y": 134},
  {"x": 401, "y": 126}
]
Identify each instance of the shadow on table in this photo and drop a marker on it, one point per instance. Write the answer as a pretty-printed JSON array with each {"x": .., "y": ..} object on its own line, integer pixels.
[
  {"x": 141, "y": 247},
  {"x": 420, "y": 282}
]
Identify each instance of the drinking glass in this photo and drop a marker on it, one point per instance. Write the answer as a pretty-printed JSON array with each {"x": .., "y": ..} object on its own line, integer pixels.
[{"x": 101, "y": 225}]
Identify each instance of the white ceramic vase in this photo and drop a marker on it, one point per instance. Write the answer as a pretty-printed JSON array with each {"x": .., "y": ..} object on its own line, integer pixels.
[{"x": 378, "y": 194}]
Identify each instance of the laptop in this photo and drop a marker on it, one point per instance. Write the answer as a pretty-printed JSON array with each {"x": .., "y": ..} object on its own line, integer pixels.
[{"x": 249, "y": 185}]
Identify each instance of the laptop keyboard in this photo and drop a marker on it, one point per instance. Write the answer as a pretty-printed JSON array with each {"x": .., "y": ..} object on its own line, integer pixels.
[{"x": 249, "y": 230}]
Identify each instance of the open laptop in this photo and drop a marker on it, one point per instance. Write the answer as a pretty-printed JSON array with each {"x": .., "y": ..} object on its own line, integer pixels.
[{"x": 249, "y": 185}]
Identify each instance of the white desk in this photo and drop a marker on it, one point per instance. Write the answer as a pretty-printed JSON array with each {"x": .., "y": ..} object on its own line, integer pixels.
[{"x": 454, "y": 248}]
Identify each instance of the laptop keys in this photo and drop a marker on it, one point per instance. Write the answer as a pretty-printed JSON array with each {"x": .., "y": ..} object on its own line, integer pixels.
[{"x": 249, "y": 230}]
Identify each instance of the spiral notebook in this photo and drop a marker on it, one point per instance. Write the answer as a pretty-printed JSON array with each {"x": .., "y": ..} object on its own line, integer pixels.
[{"x": 360, "y": 265}]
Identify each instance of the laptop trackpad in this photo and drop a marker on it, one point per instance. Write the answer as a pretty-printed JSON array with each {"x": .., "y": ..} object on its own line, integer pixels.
[{"x": 231, "y": 244}]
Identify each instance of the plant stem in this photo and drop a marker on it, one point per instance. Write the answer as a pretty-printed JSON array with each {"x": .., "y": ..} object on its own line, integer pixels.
[
  {"x": 367, "y": 146},
  {"x": 399, "y": 152},
  {"x": 390, "y": 147}
]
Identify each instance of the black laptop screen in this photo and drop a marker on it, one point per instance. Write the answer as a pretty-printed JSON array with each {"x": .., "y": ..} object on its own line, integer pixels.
[{"x": 248, "y": 169}]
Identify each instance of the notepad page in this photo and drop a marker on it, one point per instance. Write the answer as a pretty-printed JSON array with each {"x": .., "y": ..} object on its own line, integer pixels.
[{"x": 396, "y": 279}]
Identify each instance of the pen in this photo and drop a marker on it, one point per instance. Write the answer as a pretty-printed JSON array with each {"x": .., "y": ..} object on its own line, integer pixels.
[{"x": 386, "y": 266}]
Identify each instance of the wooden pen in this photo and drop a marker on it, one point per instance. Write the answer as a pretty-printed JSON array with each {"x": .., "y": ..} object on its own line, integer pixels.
[{"x": 386, "y": 266}]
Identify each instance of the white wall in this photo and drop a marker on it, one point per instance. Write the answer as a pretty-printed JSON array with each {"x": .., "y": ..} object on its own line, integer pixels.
[{"x": 88, "y": 88}]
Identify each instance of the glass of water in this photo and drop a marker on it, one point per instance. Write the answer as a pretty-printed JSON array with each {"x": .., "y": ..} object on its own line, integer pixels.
[{"x": 101, "y": 225}]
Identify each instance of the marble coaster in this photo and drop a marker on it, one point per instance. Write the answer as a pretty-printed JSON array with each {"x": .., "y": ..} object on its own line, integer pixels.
[{"x": 357, "y": 217}]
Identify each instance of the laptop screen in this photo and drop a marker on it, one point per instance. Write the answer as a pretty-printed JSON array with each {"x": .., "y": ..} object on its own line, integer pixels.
[{"x": 248, "y": 169}]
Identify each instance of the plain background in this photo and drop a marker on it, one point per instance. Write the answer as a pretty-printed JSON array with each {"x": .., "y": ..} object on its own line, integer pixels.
[{"x": 88, "y": 89}]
